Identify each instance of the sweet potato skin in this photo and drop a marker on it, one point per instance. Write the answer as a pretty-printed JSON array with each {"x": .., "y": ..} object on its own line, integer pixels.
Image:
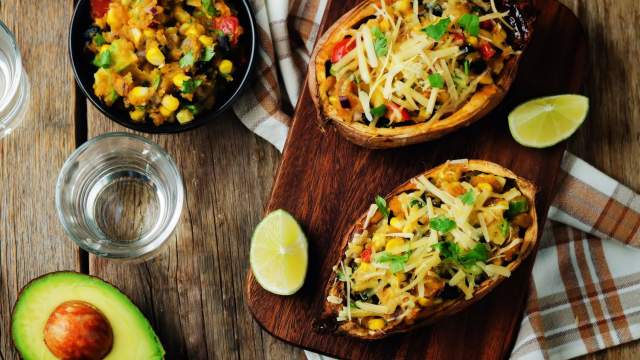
[
  {"x": 479, "y": 105},
  {"x": 327, "y": 323}
]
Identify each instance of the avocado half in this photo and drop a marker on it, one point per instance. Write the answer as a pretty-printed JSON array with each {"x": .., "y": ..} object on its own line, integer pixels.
[{"x": 132, "y": 335}]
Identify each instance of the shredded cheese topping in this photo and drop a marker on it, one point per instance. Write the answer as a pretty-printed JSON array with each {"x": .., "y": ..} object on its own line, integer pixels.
[{"x": 441, "y": 239}]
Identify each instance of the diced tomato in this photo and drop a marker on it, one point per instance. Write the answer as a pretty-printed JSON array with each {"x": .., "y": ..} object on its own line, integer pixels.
[
  {"x": 366, "y": 255},
  {"x": 459, "y": 37},
  {"x": 230, "y": 26},
  {"x": 342, "y": 48},
  {"x": 397, "y": 113},
  {"x": 487, "y": 51},
  {"x": 487, "y": 25},
  {"x": 99, "y": 8}
]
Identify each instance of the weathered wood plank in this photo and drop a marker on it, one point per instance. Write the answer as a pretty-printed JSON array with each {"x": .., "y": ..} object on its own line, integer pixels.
[
  {"x": 193, "y": 292},
  {"x": 32, "y": 241}
]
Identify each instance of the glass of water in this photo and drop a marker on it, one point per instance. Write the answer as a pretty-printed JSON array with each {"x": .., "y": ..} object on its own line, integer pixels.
[
  {"x": 14, "y": 85},
  {"x": 119, "y": 196}
]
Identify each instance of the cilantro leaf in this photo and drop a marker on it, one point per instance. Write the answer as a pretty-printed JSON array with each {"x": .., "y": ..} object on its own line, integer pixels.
[
  {"x": 209, "y": 8},
  {"x": 480, "y": 252},
  {"x": 379, "y": 110},
  {"x": 103, "y": 59},
  {"x": 442, "y": 224},
  {"x": 416, "y": 202},
  {"x": 470, "y": 23},
  {"x": 341, "y": 276},
  {"x": 436, "y": 80},
  {"x": 437, "y": 30},
  {"x": 99, "y": 40},
  {"x": 396, "y": 262},
  {"x": 187, "y": 60},
  {"x": 380, "y": 43},
  {"x": 468, "y": 198},
  {"x": 504, "y": 227},
  {"x": 450, "y": 251},
  {"x": 190, "y": 85},
  {"x": 195, "y": 109},
  {"x": 381, "y": 203},
  {"x": 208, "y": 53}
]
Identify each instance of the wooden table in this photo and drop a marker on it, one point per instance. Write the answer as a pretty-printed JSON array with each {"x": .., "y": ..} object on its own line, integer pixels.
[{"x": 193, "y": 292}]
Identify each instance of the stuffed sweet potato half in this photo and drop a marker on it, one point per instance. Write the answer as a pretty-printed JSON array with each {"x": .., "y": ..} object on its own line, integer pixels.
[
  {"x": 397, "y": 72},
  {"x": 435, "y": 245}
]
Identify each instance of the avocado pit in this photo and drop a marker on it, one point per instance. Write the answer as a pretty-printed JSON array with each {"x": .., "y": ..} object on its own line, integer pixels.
[{"x": 77, "y": 330}]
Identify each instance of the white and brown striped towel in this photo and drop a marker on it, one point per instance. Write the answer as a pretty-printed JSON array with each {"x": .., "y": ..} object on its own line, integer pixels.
[{"x": 585, "y": 287}]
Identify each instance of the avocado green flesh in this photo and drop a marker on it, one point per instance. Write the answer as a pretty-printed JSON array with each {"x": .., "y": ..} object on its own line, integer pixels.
[{"x": 133, "y": 336}]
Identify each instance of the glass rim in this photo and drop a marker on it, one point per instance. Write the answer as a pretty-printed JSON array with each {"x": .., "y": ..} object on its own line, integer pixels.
[
  {"x": 164, "y": 234},
  {"x": 17, "y": 75}
]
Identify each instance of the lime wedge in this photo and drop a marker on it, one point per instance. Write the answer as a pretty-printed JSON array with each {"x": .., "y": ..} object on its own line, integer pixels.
[
  {"x": 278, "y": 254},
  {"x": 546, "y": 121}
]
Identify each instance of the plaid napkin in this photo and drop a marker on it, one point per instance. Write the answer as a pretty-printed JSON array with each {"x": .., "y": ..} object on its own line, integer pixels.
[{"x": 585, "y": 287}]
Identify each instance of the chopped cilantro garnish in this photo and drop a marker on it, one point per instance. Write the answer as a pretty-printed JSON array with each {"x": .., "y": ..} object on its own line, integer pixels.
[
  {"x": 437, "y": 30},
  {"x": 208, "y": 53},
  {"x": 450, "y": 251},
  {"x": 187, "y": 60},
  {"x": 517, "y": 206},
  {"x": 103, "y": 59},
  {"x": 469, "y": 197},
  {"x": 195, "y": 109},
  {"x": 379, "y": 110},
  {"x": 396, "y": 262},
  {"x": 341, "y": 276},
  {"x": 470, "y": 23},
  {"x": 382, "y": 205},
  {"x": 380, "y": 43},
  {"x": 436, "y": 81},
  {"x": 442, "y": 224},
  {"x": 99, "y": 40},
  {"x": 504, "y": 227},
  {"x": 190, "y": 85},
  {"x": 209, "y": 8},
  {"x": 466, "y": 67},
  {"x": 416, "y": 202}
]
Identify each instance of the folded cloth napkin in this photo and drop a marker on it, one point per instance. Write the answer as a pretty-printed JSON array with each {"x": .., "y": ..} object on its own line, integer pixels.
[{"x": 585, "y": 287}]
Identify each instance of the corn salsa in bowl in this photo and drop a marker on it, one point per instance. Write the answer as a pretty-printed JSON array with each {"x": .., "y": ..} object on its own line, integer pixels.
[{"x": 162, "y": 65}]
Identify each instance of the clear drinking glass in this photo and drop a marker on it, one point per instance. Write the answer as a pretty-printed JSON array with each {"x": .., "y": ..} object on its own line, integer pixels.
[
  {"x": 14, "y": 84},
  {"x": 119, "y": 196}
]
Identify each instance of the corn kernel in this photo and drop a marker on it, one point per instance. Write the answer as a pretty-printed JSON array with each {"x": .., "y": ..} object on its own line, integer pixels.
[
  {"x": 396, "y": 223},
  {"x": 170, "y": 103},
  {"x": 192, "y": 31},
  {"x": 423, "y": 301},
  {"x": 365, "y": 267},
  {"x": 401, "y": 277},
  {"x": 483, "y": 186},
  {"x": 378, "y": 241},
  {"x": 225, "y": 66},
  {"x": 356, "y": 249},
  {"x": 377, "y": 98},
  {"x": 178, "y": 79},
  {"x": 181, "y": 14},
  {"x": 384, "y": 25},
  {"x": 138, "y": 95},
  {"x": 402, "y": 6},
  {"x": 205, "y": 40},
  {"x": 165, "y": 112},
  {"x": 375, "y": 324},
  {"x": 394, "y": 243},
  {"x": 155, "y": 56},
  {"x": 136, "y": 35},
  {"x": 503, "y": 204},
  {"x": 472, "y": 40},
  {"x": 113, "y": 19},
  {"x": 184, "y": 116},
  {"x": 136, "y": 115},
  {"x": 148, "y": 33}
]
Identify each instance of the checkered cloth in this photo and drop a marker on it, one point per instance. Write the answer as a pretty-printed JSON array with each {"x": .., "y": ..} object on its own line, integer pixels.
[{"x": 585, "y": 287}]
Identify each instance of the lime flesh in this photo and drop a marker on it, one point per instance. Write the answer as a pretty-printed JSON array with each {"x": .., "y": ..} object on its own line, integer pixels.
[
  {"x": 278, "y": 254},
  {"x": 546, "y": 121}
]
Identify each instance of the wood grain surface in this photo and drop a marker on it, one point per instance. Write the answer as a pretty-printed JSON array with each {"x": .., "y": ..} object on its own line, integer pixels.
[
  {"x": 327, "y": 183},
  {"x": 206, "y": 261}
]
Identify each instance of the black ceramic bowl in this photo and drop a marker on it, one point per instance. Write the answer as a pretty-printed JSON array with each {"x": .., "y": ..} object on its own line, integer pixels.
[{"x": 83, "y": 70}]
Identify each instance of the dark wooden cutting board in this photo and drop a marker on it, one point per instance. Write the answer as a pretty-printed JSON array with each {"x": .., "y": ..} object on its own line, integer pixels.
[{"x": 326, "y": 183}]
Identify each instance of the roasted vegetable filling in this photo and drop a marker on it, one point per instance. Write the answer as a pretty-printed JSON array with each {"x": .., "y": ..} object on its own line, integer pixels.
[
  {"x": 416, "y": 61},
  {"x": 439, "y": 240},
  {"x": 163, "y": 60}
]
